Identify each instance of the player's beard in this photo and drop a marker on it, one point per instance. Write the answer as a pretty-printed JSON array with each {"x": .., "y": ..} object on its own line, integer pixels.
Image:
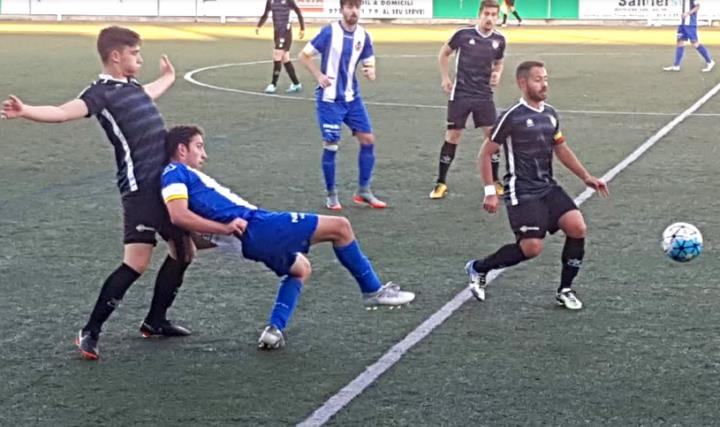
[
  {"x": 537, "y": 95},
  {"x": 351, "y": 20}
]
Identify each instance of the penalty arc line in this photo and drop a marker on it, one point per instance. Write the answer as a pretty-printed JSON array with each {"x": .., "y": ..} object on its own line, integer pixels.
[
  {"x": 190, "y": 77},
  {"x": 335, "y": 403}
]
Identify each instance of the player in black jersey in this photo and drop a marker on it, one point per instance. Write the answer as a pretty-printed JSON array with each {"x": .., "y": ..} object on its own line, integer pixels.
[
  {"x": 283, "y": 40},
  {"x": 479, "y": 52},
  {"x": 507, "y": 8},
  {"x": 529, "y": 132},
  {"x": 127, "y": 113}
]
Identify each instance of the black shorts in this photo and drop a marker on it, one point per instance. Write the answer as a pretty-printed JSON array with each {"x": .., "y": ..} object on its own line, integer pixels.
[
  {"x": 483, "y": 113},
  {"x": 283, "y": 39},
  {"x": 144, "y": 214},
  {"x": 535, "y": 218}
]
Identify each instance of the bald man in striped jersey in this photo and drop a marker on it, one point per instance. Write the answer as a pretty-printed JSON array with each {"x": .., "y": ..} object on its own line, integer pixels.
[{"x": 283, "y": 40}]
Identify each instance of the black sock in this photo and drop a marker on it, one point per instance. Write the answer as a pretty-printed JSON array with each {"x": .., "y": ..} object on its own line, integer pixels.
[
  {"x": 276, "y": 71},
  {"x": 517, "y": 15},
  {"x": 111, "y": 294},
  {"x": 507, "y": 256},
  {"x": 447, "y": 154},
  {"x": 168, "y": 282},
  {"x": 495, "y": 163},
  {"x": 504, "y": 18},
  {"x": 572, "y": 259},
  {"x": 290, "y": 68}
]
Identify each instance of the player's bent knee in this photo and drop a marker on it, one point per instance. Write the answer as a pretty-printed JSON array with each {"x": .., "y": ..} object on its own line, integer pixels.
[
  {"x": 302, "y": 269},
  {"x": 453, "y": 136},
  {"x": 531, "y": 247}
]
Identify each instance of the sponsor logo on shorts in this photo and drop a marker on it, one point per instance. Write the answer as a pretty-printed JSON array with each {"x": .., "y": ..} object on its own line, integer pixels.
[
  {"x": 525, "y": 229},
  {"x": 142, "y": 227}
]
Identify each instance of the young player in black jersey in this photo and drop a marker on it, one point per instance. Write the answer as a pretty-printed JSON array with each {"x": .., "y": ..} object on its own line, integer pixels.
[
  {"x": 127, "y": 113},
  {"x": 529, "y": 132},
  {"x": 283, "y": 40},
  {"x": 479, "y": 54}
]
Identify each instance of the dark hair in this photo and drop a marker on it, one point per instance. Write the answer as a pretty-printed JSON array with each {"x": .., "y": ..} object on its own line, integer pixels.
[
  {"x": 115, "y": 38},
  {"x": 488, "y": 4},
  {"x": 350, "y": 3},
  {"x": 524, "y": 69},
  {"x": 180, "y": 135}
]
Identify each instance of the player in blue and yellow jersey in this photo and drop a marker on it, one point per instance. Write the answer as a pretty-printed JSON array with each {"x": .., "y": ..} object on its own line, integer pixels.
[
  {"x": 479, "y": 52},
  {"x": 199, "y": 204},
  {"x": 283, "y": 40},
  {"x": 341, "y": 46},
  {"x": 529, "y": 132},
  {"x": 127, "y": 113},
  {"x": 688, "y": 32}
]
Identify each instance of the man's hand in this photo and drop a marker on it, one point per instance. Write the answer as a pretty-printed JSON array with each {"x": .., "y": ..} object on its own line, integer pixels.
[
  {"x": 323, "y": 81},
  {"x": 166, "y": 67},
  {"x": 301, "y": 34},
  {"x": 598, "y": 185},
  {"x": 447, "y": 85},
  {"x": 236, "y": 227},
  {"x": 490, "y": 203},
  {"x": 369, "y": 73},
  {"x": 12, "y": 108},
  {"x": 494, "y": 79}
]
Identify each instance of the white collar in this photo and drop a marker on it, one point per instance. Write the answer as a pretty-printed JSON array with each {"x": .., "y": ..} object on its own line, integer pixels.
[
  {"x": 539, "y": 110},
  {"x": 477, "y": 30},
  {"x": 113, "y": 79}
]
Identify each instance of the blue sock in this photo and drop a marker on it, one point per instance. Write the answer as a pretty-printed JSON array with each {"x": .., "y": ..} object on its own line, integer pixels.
[
  {"x": 328, "y": 166},
  {"x": 679, "y": 52},
  {"x": 352, "y": 258},
  {"x": 704, "y": 53},
  {"x": 366, "y": 164},
  {"x": 288, "y": 294}
]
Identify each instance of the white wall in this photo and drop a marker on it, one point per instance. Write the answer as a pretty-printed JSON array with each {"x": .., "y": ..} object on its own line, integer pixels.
[{"x": 241, "y": 8}]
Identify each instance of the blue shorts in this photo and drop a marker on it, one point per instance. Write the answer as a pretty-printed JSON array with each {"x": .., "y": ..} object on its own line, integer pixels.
[
  {"x": 687, "y": 32},
  {"x": 331, "y": 116},
  {"x": 275, "y": 238}
]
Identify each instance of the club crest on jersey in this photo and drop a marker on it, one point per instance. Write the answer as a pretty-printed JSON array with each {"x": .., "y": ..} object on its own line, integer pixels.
[
  {"x": 495, "y": 44},
  {"x": 553, "y": 120},
  {"x": 358, "y": 46},
  {"x": 472, "y": 42},
  {"x": 529, "y": 123}
]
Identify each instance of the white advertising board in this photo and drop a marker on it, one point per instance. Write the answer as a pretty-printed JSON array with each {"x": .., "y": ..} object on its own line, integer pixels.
[{"x": 647, "y": 10}]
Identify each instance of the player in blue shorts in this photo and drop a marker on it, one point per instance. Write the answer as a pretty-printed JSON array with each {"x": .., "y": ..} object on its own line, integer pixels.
[
  {"x": 341, "y": 46},
  {"x": 197, "y": 203},
  {"x": 687, "y": 31}
]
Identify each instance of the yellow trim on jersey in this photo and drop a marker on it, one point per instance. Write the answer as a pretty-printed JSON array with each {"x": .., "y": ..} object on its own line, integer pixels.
[{"x": 176, "y": 197}]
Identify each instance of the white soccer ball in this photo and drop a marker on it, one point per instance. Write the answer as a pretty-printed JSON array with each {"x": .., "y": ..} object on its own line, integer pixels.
[{"x": 682, "y": 242}]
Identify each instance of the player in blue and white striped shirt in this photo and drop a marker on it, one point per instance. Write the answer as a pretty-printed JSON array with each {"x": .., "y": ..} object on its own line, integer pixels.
[
  {"x": 341, "y": 46},
  {"x": 199, "y": 204},
  {"x": 687, "y": 31}
]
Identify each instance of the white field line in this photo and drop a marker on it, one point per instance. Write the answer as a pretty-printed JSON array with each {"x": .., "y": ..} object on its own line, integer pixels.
[
  {"x": 333, "y": 405},
  {"x": 190, "y": 77}
]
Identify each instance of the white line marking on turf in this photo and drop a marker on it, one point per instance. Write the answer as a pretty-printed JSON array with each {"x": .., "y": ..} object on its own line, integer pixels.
[
  {"x": 190, "y": 77},
  {"x": 333, "y": 405}
]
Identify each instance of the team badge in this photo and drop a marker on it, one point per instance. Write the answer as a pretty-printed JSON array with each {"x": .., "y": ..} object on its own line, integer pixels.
[
  {"x": 495, "y": 44},
  {"x": 529, "y": 123},
  {"x": 553, "y": 120},
  {"x": 358, "y": 46}
]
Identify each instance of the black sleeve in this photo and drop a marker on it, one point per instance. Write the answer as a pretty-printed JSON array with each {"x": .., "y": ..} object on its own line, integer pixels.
[
  {"x": 298, "y": 12},
  {"x": 265, "y": 14},
  {"x": 456, "y": 40},
  {"x": 502, "y": 128},
  {"x": 95, "y": 98}
]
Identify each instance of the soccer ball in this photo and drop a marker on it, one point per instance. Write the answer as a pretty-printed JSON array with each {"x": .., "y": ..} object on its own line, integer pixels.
[{"x": 682, "y": 242}]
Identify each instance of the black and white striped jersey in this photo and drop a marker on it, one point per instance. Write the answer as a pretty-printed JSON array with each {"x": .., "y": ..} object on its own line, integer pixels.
[{"x": 133, "y": 126}]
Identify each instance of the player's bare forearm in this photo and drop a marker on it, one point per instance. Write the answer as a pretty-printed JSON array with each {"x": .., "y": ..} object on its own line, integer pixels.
[
  {"x": 157, "y": 88},
  {"x": 69, "y": 111},
  {"x": 309, "y": 64},
  {"x": 484, "y": 161},
  {"x": 568, "y": 158},
  {"x": 444, "y": 62},
  {"x": 186, "y": 219}
]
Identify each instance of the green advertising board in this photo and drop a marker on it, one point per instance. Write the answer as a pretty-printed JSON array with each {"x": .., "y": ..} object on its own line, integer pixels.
[{"x": 531, "y": 9}]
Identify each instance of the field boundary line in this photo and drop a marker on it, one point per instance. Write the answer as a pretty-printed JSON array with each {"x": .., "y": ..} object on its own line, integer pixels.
[{"x": 340, "y": 399}]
